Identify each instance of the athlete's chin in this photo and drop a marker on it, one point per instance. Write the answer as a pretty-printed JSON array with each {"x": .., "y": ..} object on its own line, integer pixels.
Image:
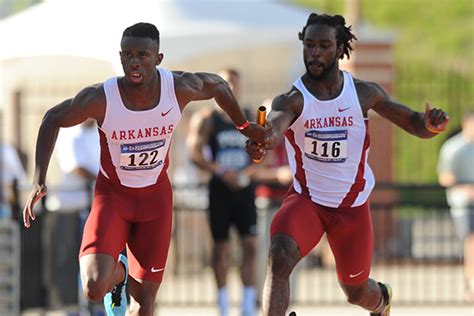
[
  {"x": 135, "y": 83},
  {"x": 316, "y": 76}
]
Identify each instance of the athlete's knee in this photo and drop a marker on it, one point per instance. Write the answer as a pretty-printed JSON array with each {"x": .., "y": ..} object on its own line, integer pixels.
[
  {"x": 220, "y": 251},
  {"x": 146, "y": 306},
  {"x": 143, "y": 302},
  {"x": 250, "y": 249},
  {"x": 356, "y": 294},
  {"x": 95, "y": 290},
  {"x": 284, "y": 255}
]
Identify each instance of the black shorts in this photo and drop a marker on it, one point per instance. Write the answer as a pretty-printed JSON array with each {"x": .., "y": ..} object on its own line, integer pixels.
[
  {"x": 228, "y": 208},
  {"x": 463, "y": 218}
]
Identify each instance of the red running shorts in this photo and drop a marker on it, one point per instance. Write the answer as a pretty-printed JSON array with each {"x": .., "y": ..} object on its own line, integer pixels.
[
  {"x": 349, "y": 232},
  {"x": 140, "y": 218}
]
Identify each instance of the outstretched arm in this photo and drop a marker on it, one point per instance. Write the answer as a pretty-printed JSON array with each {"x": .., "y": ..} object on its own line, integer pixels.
[
  {"x": 206, "y": 86},
  {"x": 286, "y": 108},
  {"x": 424, "y": 125},
  {"x": 67, "y": 113}
]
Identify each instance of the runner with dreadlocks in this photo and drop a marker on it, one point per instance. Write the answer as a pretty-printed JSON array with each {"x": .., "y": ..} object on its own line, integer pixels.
[{"x": 324, "y": 118}]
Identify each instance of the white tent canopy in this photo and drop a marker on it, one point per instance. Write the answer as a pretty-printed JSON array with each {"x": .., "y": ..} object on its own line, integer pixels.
[{"x": 188, "y": 28}]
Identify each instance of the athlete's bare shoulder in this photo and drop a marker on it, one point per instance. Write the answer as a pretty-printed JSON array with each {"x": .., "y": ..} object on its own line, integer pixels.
[
  {"x": 291, "y": 101},
  {"x": 91, "y": 94},
  {"x": 187, "y": 81},
  {"x": 88, "y": 103},
  {"x": 369, "y": 94},
  {"x": 187, "y": 85},
  {"x": 92, "y": 101},
  {"x": 198, "y": 86}
]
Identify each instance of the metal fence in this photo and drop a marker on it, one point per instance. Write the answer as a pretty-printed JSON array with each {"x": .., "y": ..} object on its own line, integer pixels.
[{"x": 416, "y": 250}]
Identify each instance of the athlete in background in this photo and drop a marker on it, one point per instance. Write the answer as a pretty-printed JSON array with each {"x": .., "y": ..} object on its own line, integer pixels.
[{"x": 231, "y": 195}]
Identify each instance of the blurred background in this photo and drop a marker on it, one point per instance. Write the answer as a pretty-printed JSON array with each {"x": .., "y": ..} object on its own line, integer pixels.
[{"x": 417, "y": 50}]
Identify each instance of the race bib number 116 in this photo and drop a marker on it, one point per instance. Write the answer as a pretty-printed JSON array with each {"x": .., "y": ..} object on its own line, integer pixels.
[{"x": 326, "y": 146}]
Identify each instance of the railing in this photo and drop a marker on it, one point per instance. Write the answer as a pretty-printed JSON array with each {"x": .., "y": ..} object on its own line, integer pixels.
[{"x": 9, "y": 268}]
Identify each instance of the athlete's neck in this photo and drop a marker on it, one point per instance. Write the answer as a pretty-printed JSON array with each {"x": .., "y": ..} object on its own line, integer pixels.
[
  {"x": 325, "y": 88},
  {"x": 143, "y": 97}
]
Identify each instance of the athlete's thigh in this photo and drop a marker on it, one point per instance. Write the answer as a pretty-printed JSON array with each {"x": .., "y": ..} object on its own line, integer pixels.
[
  {"x": 298, "y": 218},
  {"x": 106, "y": 230},
  {"x": 351, "y": 238},
  {"x": 148, "y": 247}
]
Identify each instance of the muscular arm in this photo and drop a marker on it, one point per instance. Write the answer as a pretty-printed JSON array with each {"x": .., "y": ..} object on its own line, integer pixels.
[
  {"x": 372, "y": 96},
  {"x": 286, "y": 108},
  {"x": 66, "y": 114},
  {"x": 90, "y": 102},
  {"x": 205, "y": 86}
]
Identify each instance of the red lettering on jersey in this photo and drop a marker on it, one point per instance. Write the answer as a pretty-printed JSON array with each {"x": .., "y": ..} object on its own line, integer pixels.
[
  {"x": 318, "y": 123},
  {"x": 140, "y": 134},
  {"x": 326, "y": 122},
  {"x": 163, "y": 131},
  {"x": 310, "y": 124},
  {"x": 331, "y": 121},
  {"x": 114, "y": 135},
  {"x": 156, "y": 131},
  {"x": 344, "y": 121},
  {"x": 123, "y": 135},
  {"x": 130, "y": 134},
  {"x": 148, "y": 132},
  {"x": 170, "y": 128}
]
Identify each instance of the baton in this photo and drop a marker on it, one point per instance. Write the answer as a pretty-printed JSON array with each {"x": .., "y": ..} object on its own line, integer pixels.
[{"x": 261, "y": 120}]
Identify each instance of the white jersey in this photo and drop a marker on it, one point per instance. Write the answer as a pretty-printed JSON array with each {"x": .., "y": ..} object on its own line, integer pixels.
[
  {"x": 135, "y": 144},
  {"x": 327, "y": 148}
]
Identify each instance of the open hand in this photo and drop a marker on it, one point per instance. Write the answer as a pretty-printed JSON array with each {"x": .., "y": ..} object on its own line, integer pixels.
[{"x": 38, "y": 191}]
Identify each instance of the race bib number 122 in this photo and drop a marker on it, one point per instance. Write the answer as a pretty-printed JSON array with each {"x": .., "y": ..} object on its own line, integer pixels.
[{"x": 141, "y": 156}]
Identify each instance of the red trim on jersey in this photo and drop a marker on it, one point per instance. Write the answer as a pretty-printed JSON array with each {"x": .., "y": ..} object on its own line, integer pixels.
[
  {"x": 300, "y": 175},
  {"x": 165, "y": 164},
  {"x": 359, "y": 181},
  {"x": 106, "y": 159}
]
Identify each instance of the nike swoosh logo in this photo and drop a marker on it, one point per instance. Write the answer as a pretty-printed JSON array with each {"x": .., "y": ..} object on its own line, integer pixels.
[
  {"x": 165, "y": 113},
  {"x": 156, "y": 270},
  {"x": 342, "y": 110},
  {"x": 354, "y": 275}
]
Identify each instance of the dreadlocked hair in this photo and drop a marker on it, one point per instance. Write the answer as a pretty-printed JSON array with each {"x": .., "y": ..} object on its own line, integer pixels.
[
  {"x": 344, "y": 35},
  {"x": 144, "y": 30}
]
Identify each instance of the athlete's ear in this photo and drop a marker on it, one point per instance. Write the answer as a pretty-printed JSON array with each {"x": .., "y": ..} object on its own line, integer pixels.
[
  {"x": 340, "y": 52},
  {"x": 160, "y": 58}
]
